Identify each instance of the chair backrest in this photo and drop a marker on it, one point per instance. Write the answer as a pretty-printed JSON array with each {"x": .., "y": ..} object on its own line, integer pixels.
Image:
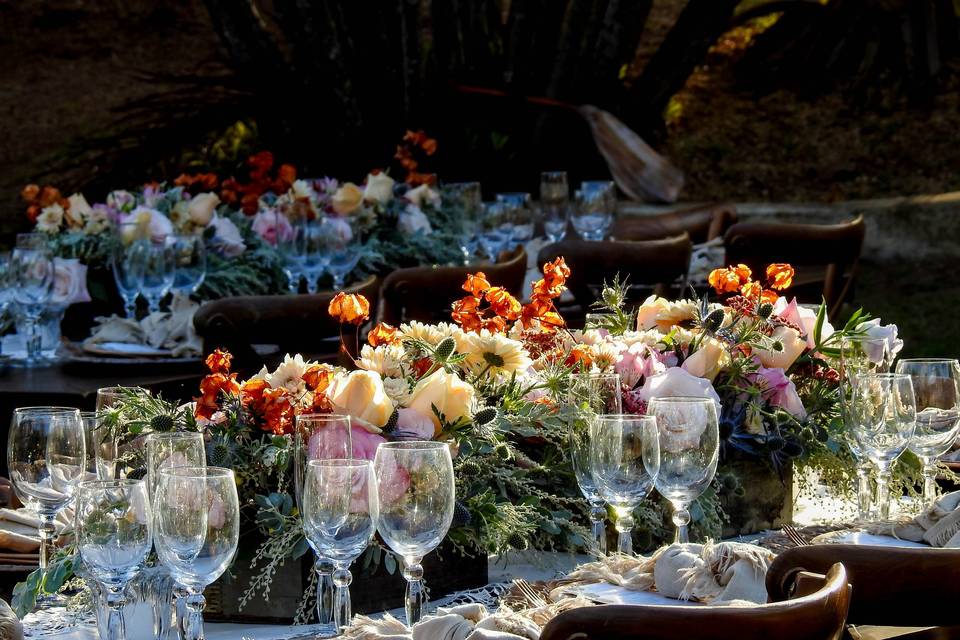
[
  {"x": 702, "y": 224},
  {"x": 426, "y": 293},
  {"x": 831, "y": 252},
  {"x": 653, "y": 264},
  {"x": 892, "y": 586},
  {"x": 818, "y": 616},
  {"x": 296, "y": 323}
]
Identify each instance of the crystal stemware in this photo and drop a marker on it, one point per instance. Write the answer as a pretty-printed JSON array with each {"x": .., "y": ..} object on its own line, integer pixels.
[
  {"x": 554, "y": 204},
  {"x": 316, "y": 257},
  {"x": 591, "y": 395},
  {"x": 197, "y": 522},
  {"x": 689, "y": 446},
  {"x": 496, "y": 230},
  {"x": 159, "y": 271},
  {"x": 467, "y": 197},
  {"x": 518, "y": 209},
  {"x": 343, "y": 249},
  {"x": 7, "y": 282},
  {"x": 114, "y": 535},
  {"x": 883, "y": 414},
  {"x": 593, "y": 213},
  {"x": 116, "y": 458},
  {"x": 860, "y": 354},
  {"x": 936, "y": 385},
  {"x": 190, "y": 257},
  {"x": 33, "y": 269},
  {"x": 127, "y": 262},
  {"x": 625, "y": 460},
  {"x": 340, "y": 507},
  {"x": 46, "y": 456},
  {"x": 292, "y": 249},
  {"x": 320, "y": 436},
  {"x": 416, "y": 492}
]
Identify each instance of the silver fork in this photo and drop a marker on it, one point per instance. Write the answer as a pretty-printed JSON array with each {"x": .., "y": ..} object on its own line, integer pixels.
[
  {"x": 530, "y": 593},
  {"x": 795, "y": 536}
]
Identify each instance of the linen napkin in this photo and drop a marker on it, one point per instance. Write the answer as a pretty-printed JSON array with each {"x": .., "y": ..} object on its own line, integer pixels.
[
  {"x": 171, "y": 329},
  {"x": 18, "y": 529},
  {"x": 938, "y": 525},
  {"x": 461, "y": 622}
]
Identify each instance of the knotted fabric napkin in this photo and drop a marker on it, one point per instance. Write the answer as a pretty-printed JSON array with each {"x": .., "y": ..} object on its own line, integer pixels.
[
  {"x": 938, "y": 525},
  {"x": 462, "y": 622},
  {"x": 171, "y": 330}
]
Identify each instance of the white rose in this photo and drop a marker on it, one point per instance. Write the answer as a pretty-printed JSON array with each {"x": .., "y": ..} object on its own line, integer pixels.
[
  {"x": 202, "y": 207},
  {"x": 303, "y": 189},
  {"x": 360, "y": 395},
  {"x": 423, "y": 195},
  {"x": 69, "y": 281},
  {"x": 379, "y": 188},
  {"x": 158, "y": 225},
  {"x": 451, "y": 396},
  {"x": 227, "y": 236},
  {"x": 887, "y": 333},
  {"x": 78, "y": 211},
  {"x": 414, "y": 221}
]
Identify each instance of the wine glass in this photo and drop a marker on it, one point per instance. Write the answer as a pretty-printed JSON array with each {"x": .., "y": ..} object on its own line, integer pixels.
[
  {"x": 554, "y": 204},
  {"x": 625, "y": 461},
  {"x": 173, "y": 449},
  {"x": 519, "y": 212},
  {"x": 197, "y": 526},
  {"x": 127, "y": 261},
  {"x": 33, "y": 283},
  {"x": 316, "y": 258},
  {"x": 320, "y": 436},
  {"x": 689, "y": 446},
  {"x": 159, "y": 271},
  {"x": 46, "y": 456},
  {"x": 114, "y": 535},
  {"x": 860, "y": 354},
  {"x": 343, "y": 249},
  {"x": 416, "y": 492},
  {"x": 340, "y": 507},
  {"x": 292, "y": 250},
  {"x": 468, "y": 198},
  {"x": 596, "y": 203},
  {"x": 936, "y": 385},
  {"x": 89, "y": 420},
  {"x": 116, "y": 459},
  {"x": 7, "y": 281},
  {"x": 591, "y": 395},
  {"x": 190, "y": 257},
  {"x": 883, "y": 413},
  {"x": 497, "y": 230}
]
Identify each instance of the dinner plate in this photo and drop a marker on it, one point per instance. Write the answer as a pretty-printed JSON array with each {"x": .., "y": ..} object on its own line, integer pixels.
[{"x": 126, "y": 350}]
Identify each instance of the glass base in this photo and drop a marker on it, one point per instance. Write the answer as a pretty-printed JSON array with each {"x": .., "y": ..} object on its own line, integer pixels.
[
  {"x": 324, "y": 630},
  {"x": 49, "y": 621}
]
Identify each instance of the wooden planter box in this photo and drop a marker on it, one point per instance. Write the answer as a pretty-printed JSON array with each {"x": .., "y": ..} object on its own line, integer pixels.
[
  {"x": 766, "y": 501},
  {"x": 373, "y": 590}
]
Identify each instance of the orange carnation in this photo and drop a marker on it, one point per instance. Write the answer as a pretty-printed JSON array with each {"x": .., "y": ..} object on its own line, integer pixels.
[
  {"x": 350, "y": 308},
  {"x": 381, "y": 334},
  {"x": 724, "y": 280},
  {"x": 219, "y": 361},
  {"x": 476, "y": 284},
  {"x": 780, "y": 275}
]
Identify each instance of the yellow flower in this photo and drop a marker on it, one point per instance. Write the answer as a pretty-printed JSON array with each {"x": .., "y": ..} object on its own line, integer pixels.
[
  {"x": 446, "y": 392},
  {"x": 495, "y": 354},
  {"x": 360, "y": 394},
  {"x": 347, "y": 199}
]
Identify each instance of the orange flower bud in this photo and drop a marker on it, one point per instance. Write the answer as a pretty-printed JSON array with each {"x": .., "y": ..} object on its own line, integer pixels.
[
  {"x": 780, "y": 276},
  {"x": 769, "y": 296},
  {"x": 383, "y": 333},
  {"x": 350, "y": 308},
  {"x": 30, "y": 193},
  {"x": 555, "y": 274},
  {"x": 751, "y": 291},
  {"x": 318, "y": 377},
  {"x": 476, "y": 284}
]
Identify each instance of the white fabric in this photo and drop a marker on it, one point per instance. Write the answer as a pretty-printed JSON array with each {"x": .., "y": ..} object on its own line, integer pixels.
[{"x": 168, "y": 330}]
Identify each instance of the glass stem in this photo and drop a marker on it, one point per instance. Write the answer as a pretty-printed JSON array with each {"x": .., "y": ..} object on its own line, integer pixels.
[
  {"x": 342, "y": 579},
  {"x": 929, "y": 480},
  {"x": 34, "y": 340},
  {"x": 414, "y": 597},
  {"x": 193, "y": 628},
  {"x": 116, "y": 629},
  {"x": 864, "y": 493},
  {"x": 180, "y": 609},
  {"x": 130, "y": 308},
  {"x": 598, "y": 516},
  {"x": 883, "y": 493},
  {"x": 681, "y": 518},
  {"x": 624, "y": 527},
  {"x": 293, "y": 282},
  {"x": 337, "y": 282},
  {"x": 325, "y": 591},
  {"x": 48, "y": 531},
  {"x": 311, "y": 285}
]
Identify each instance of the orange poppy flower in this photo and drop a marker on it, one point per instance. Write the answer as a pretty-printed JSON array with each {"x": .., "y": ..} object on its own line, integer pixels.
[
  {"x": 555, "y": 274},
  {"x": 724, "y": 281},
  {"x": 769, "y": 296},
  {"x": 382, "y": 334},
  {"x": 579, "y": 355},
  {"x": 476, "y": 283},
  {"x": 219, "y": 361},
  {"x": 503, "y": 304},
  {"x": 496, "y": 324},
  {"x": 743, "y": 273},
  {"x": 780, "y": 275},
  {"x": 318, "y": 377},
  {"x": 751, "y": 290},
  {"x": 350, "y": 308},
  {"x": 30, "y": 192}
]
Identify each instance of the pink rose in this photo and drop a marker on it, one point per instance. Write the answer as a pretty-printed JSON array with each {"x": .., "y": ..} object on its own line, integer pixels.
[
  {"x": 413, "y": 425},
  {"x": 217, "y": 511},
  {"x": 392, "y": 480},
  {"x": 69, "y": 281},
  {"x": 328, "y": 443},
  {"x": 638, "y": 361},
  {"x": 674, "y": 383},
  {"x": 804, "y": 318},
  {"x": 365, "y": 443},
  {"x": 272, "y": 226},
  {"x": 780, "y": 391}
]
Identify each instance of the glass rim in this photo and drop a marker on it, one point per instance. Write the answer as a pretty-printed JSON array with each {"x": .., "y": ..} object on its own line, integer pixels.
[
  {"x": 682, "y": 400},
  {"x": 346, "y": 463},
  {"x": 413, "y": 445},
  {"x": 194, "y": 471},
  {"x": 45, "y": 409},
  {"x": 593, "y": 375},
  {"x": 108, "y": 484},
  {"x": 642, "y": 417},
  {"x": 116, "y": 389},
  {"x": 928, "y": 360},
  {"x": 883, "y": 375},
  {"x": 513, "y": 194},
  {"x": 172, "y": 435},
  {"x": 322, "y": 417}
]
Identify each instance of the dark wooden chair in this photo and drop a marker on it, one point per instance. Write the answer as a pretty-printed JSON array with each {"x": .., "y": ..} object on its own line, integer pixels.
[
  {"x": 826, "y": 256},
  {"x": 701, "y": 223},
  {"x": 650, "y": 265},
  {"x": 426, "y": 293},
  {"x": 295, "y": 323},
  {"x": 817, "y": 616},
  {"x": 898, "y": 587}
]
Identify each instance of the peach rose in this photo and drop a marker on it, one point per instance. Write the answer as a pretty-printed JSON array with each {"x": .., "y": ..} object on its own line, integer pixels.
[
  {"x": 446, "y": 392},
  {"x": 360, "y": 395},
  {"x": 379, "y": 188},
  {"x": 708, "y": 360},
  {"x": 202, "y": 207},
  {"x": 793, "y": 345},
  {"x": 423, "y": 195},
  {"x": 69, "y": 281},
  {"x": 347, "y": 199},
  {"x": 78, "y": 211}
]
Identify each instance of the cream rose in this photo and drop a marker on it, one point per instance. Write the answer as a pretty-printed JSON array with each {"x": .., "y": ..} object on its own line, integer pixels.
[
  {"x": 360, "y": 395},
  {"x": 379, "y": 188},
  {"x": 423, "y": 195},
  {"x": 793, "y": 345},
  {"x": 414, "y": 221},
  {"x": 227, "y": 237},
  {"x": 202, "y": 207},
  {"x": 708, "y": 360},
  {"x": 675, "y": 382},
  {"x": 69, "y": 281},
  {"x": 663, "y": 314},
  {"x": 451, "y": 396},
  {"x": 78, "y": 211},
  {"x": 347, "y": 199}
]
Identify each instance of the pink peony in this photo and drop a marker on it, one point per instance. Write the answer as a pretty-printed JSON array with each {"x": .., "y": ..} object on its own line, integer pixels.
[
  {"x": 639, "y": 361},
  {"x": 330, "y": 443},
  {"x": 413, "y": 425},
  {"x": 780, "y": 391},
  {"x": 804, "y": 318},
  {"x": 675, "y": 383},
  {"x": 272, "y": 226}
]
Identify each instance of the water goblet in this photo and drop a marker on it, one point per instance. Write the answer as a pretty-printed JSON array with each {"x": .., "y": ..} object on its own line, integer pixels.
[
  {"x": 116, "y": 459},
  {"x": 7, "y": 281},
  {"x": 292, "y": 249},
  {"x": 159, "y": 271},
  {"x": 416, "y": 492},
  {"x": 316, "y": 257},
  {"x": 589, "y": 396},
  {"x": 554, "y": 204},
  {"x": 343, "y": 249},
  {"x": 594, "y": 210},
  {"x": 467, "y": 197},
  {"x": 859, "y": 354},
  {"x": 173, "y": 449},
  {"x": 519, "y": 212},
  {"x": 340, "y": 507},
  {"x": 320, "y": 436},
  {"x": 33, "y": 284},
  {"x": 496, "y": 232},
  {"x": 197, "y": 526},
  {"x": 114, "y": 536},
  {"x": 689, "y": 445},
  {"x": 625, "y": 461},
  {"x": 190, "y": 257},
  {"x": 46, "y": 456},
  {"x": 883, "y": 413},
  {"x": 936, "y": 385},
  {"x": 127, "y": 261}
]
